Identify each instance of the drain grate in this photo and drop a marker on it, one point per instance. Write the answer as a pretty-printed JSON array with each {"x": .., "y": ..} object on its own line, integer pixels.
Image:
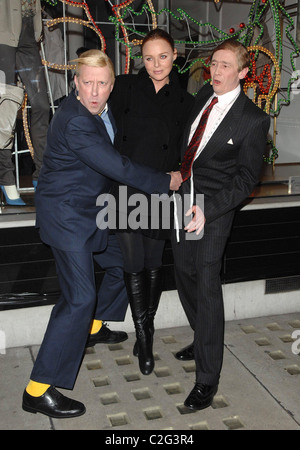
[{"x": 278, "y": 285}]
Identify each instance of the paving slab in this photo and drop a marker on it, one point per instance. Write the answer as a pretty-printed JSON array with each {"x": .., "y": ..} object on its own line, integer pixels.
[
  {"x": 15, "y": 368},
  {"x": 259, "y": 387}
]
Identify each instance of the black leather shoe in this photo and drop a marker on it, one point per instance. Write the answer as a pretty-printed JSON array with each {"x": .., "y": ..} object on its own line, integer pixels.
[
  {"x": 186, "y": 354},
  {"x": 53, "y": 404},
  {"x": 106, "y": 336},
  {"x": 201, "y": 396}
]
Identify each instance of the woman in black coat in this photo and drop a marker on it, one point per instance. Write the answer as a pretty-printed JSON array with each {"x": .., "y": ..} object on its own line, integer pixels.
[{"x": 150, "y": 110}]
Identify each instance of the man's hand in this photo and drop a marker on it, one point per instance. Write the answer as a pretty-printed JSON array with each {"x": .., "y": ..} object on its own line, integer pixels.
[
  {"x": 176, "y": 180},
  {"x": 197, "y": 222}
]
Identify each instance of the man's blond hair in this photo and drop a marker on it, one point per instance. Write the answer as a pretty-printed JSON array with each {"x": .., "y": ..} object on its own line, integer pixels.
[{"x": 94, "y": 58}]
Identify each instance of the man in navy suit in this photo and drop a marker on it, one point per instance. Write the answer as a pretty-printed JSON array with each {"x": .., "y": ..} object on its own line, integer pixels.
[
  {"x": 79, "y": 164},
  {"x": 225, "y": 168}
]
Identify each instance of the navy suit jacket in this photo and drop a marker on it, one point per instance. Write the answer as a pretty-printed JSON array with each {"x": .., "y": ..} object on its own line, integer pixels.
[
  {"x": 228, "y": 168},
  {"x": 79, "y": 164}
]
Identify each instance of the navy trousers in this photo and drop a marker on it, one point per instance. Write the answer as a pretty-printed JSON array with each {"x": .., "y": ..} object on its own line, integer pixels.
[{"x": 63, "y": 346}]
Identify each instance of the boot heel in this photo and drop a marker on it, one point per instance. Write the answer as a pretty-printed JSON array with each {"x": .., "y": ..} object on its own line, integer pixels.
[{"x": 144, "y": 349}]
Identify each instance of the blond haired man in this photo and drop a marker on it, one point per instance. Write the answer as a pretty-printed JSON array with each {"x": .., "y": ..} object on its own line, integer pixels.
[{"x": 80, "y": 163}]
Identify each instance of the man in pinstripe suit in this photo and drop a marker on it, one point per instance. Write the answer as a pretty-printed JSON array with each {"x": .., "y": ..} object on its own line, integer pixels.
[{"x": 225, "y": 169}]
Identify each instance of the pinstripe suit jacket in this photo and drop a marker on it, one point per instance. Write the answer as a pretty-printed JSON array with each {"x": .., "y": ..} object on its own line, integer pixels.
[{"x": 224, "y": 172}]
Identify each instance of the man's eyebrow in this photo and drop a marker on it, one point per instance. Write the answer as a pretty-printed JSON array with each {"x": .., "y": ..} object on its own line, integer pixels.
[{"x": 222, "y": 61}]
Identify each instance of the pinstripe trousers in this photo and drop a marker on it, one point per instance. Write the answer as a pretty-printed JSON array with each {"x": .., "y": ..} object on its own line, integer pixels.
[{"x": 197, "y": 272}]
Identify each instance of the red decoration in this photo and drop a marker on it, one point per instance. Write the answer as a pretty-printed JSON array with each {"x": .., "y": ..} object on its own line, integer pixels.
[{"x": 266, "y": 73}]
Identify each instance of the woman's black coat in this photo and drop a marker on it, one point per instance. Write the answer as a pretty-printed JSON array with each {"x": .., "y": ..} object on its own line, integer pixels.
[{"x": 149, "y": 124}]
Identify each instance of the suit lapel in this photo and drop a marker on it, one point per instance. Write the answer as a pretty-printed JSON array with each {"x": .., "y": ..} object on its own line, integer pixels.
[
  {"x": 225, "y": 131},
  {"x": 199, "y": 104}
]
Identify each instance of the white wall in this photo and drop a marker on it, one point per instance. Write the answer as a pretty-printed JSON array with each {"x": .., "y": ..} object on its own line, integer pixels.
[{"x": 22, "y": 327}]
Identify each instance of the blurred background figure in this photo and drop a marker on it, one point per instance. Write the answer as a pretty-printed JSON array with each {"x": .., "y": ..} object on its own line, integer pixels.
[{"x": 20, "y": 31}]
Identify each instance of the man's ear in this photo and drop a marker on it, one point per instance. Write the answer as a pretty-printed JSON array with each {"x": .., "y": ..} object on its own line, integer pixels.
[
  {"x": 76, "y": 81},
  {"x": 243, "y": 73}
]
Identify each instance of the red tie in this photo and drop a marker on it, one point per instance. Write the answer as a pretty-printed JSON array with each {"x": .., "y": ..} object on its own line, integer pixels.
[{"x": 186, "y": 166}]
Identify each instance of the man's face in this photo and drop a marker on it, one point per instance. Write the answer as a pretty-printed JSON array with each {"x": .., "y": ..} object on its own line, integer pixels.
[
  {"x": 225, "y": 72},
  {"x": 94, "y": 85}
]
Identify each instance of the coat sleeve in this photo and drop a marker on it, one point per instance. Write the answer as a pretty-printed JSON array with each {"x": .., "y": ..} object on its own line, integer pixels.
[{"x": 92, "y": 148}]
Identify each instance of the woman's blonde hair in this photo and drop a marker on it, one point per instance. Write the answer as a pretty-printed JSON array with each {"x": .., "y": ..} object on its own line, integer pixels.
[{"x": 94, "y": 58}]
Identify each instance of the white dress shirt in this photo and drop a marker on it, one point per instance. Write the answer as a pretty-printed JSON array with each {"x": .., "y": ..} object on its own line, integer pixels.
[
  {"x": 216, "y": 116},
  {"x": 107, "y": 123}
]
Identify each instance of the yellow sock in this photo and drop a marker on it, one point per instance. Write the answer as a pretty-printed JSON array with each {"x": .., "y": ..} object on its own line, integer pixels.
[
  {"x": 96, "y": 326},
  {"x": 36, "y": 389}
]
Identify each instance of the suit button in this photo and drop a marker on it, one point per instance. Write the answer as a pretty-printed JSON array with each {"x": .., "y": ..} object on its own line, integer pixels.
[
  {"x": 124, "y": 138},
  {"x": 164, "y": 146}
]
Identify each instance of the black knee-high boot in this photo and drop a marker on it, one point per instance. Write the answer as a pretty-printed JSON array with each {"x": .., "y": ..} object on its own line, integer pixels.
[
  {"x": 154, "y": 290},
  {"x": 137, "y": 296},
  {"x": 154, "y": 284}
]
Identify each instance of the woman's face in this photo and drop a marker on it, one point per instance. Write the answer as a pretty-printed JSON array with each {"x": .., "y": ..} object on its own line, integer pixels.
[{"x": 158, "y": 57}]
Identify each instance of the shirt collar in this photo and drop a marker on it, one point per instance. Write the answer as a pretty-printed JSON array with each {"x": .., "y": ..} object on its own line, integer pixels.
[
  {"x": 104, "y": 110},
  {"x": 225, "y": 99}
]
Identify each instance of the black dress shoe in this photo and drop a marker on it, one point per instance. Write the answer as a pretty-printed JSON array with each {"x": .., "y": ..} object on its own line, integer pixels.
[
  {"x": 201, "y": 396},
  {"x": 53, "y": 404},
  {"x": 106, "y": 336},
  {"x": 186, "y": 354}
]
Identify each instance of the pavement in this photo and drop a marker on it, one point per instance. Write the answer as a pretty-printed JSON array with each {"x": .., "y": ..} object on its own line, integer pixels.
[{"x": 259, "y": 386}]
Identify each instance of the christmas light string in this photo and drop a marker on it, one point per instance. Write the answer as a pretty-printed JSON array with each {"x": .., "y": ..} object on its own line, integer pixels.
[
  {"x": 119, "y": 20},
  {"x": 253, "y": 80},
  {"x": 26, "y": 127},
  {"x": 244, "y": 34},
  {"x": 264, "y": 85}
]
